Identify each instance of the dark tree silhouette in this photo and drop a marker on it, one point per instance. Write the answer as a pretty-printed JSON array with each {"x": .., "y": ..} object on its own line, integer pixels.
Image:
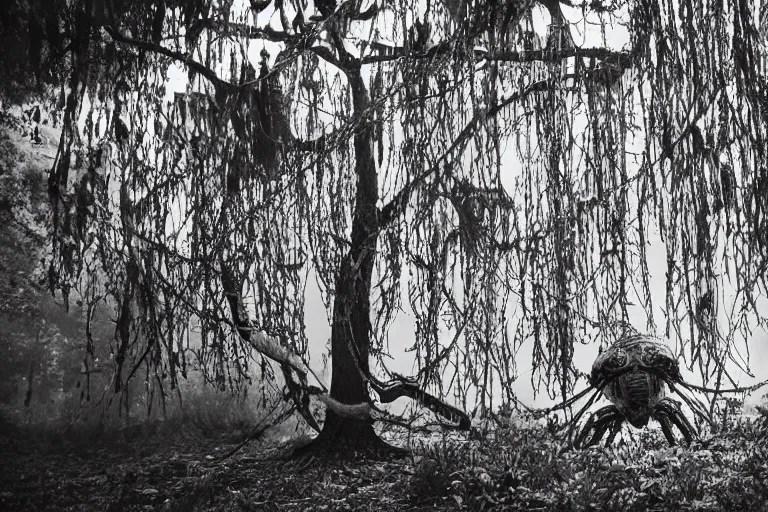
[{"x": 366, "y": 141}]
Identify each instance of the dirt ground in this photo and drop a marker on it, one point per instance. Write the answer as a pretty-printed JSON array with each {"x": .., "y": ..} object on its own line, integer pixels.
[{"x": 146, "y": 471}]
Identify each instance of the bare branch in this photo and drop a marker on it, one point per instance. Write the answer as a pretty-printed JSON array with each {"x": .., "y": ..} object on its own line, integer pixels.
[
  {"x": 326, "y": 54},
  {"x": 386, "y": 53},
  {"x": 270, "y": 347},
  {"x": 177, "y": 56}
]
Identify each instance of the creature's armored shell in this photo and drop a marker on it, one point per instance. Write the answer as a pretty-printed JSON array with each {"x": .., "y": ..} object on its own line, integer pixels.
[
  {"x": 632, "y": 373},
  {"x": 636, "y": 353}
]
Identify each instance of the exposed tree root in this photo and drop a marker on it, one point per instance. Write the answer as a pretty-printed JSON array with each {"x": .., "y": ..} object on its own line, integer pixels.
[{"x": 348, "y": 440}]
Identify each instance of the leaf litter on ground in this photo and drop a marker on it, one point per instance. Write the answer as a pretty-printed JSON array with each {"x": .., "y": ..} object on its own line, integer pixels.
[{"x": 517, "y": 468}]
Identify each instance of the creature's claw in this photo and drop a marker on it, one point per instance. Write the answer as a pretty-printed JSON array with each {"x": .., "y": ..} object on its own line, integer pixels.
[
  {"x": 668, "y": 410},
  {"x": 599, "y": 422}
]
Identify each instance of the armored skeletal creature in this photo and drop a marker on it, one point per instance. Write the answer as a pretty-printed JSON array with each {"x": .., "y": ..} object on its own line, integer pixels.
[{"x": 634, "y": 374}]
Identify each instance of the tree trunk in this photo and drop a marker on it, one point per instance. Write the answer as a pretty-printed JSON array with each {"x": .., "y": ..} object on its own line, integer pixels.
[
  {"x": 351, "y": 325},
  {"x": 352, "y": 307}
]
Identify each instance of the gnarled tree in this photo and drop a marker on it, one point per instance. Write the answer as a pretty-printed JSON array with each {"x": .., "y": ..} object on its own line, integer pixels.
[{"x": 451, "y": 143}]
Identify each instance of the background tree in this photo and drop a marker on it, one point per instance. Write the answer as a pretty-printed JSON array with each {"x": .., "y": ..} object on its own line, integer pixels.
[
  {"x": 363, "y": 142},
  {"x": 40, "y": 353}
]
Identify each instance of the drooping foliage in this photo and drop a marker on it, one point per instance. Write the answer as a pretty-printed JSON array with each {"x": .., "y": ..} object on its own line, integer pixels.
[{"x": 497, "y": 175}]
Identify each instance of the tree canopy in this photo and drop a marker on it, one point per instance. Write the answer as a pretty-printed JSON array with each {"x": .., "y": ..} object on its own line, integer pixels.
[{"x": 496, "y": 167}]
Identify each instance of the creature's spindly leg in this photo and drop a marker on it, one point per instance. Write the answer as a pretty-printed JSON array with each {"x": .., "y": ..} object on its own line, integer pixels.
[
  {"x": 663, "y": 419},
  {"x": 668, "y": 410},
  {"x": 615, "y": 428},
  {"x": 599, "y": 422},
  {"x": 694, "y": 403}
]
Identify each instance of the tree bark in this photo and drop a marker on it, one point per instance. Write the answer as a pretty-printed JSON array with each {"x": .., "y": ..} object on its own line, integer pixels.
[{"x": 351, "y": 325}]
